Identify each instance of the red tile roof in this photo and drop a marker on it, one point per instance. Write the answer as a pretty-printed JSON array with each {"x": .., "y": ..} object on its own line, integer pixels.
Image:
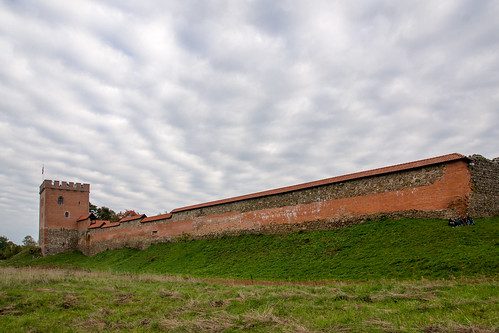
[
  {"x": 97, "y": 224},
  {"x": 109, "y": 224},
  {"x": 132, "y": 218},
  {"x": 327, "y": 181},
  {"x": 85, "y": 217},
  {"x": 156, "y": 218}
]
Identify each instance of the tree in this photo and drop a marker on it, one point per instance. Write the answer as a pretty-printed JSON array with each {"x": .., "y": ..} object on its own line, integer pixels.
[
  {"x": 92, "y": 209},
  {"x": 4, "y": 241},
  {"x": 8, "y": 248},
  {"x": 29, "y": 241},
  {"x": 103, "y": 213},
  {"x": 126, "y": 213}
]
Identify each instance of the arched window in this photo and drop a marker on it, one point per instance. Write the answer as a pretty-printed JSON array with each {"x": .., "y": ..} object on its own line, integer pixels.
[
  {"x": 66, "y": 214},
  {"x": 60, "y": 200}
]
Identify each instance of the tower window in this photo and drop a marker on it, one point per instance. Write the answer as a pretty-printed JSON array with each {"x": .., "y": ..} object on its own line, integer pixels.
[
  {"x": 66, "y": 214},
  {"x": 60, "y": 200}
]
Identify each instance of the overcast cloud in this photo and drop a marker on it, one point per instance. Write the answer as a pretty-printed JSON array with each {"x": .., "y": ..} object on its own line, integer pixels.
[{"x": 163, "y": 104}]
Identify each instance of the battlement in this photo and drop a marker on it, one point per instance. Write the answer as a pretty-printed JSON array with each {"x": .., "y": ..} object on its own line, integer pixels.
[{"x": 63, "y": 185}]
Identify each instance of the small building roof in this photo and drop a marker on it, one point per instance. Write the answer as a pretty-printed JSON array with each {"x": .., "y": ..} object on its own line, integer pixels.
[
  {"x": 109, "y": 224},
  {"x": 156, "y": 218},
  {"x": 97, "y": 224},
  {"x": 90, "y": 216}
]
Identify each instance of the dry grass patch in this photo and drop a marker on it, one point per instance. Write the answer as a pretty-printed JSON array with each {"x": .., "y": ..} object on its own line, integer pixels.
[
  {"x": 458, "y": 329},
  {"x": 66, "y": 300},
  {"x": 268, "y": 319},
  {"x": 170, "y": 294}
]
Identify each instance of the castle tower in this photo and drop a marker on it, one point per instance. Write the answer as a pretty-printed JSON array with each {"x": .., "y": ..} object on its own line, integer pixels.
[{"x": 61, "y": 204}]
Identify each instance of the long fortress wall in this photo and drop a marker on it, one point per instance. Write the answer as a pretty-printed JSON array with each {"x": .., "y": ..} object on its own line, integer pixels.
[{"x": 440, "y": 187}]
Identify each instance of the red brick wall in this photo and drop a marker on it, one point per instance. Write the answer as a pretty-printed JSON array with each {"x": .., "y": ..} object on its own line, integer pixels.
[
  {"x": 57, "y": 230},
  {"x": 444, "y": 193}
]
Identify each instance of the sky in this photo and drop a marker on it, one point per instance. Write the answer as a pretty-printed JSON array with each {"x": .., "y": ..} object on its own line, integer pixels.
[{"x": 162, "y": 104}]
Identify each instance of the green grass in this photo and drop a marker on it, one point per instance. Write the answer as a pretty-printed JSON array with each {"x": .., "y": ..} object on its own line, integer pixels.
[
  {"x": 400, "y": 249},
  {"x": 57, "y": 300},
  {"x": 409, "y": 275}
]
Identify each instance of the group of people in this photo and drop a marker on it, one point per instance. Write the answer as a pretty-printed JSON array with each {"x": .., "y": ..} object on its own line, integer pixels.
[{"x": 461, "y": 221}]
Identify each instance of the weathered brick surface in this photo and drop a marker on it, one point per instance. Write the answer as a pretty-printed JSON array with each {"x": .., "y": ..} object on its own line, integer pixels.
[
  {"x": 58, "y": 231},
  {"x": 484, "y": 200},
  {"x": 449, "y": 188},
  {"x": 435, "y": 191},
  {"x": 132, "y": 234},
  {"x": 358, "y": 187}
]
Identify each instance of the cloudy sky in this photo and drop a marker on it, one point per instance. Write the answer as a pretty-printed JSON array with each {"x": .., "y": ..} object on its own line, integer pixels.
[{"x": 161, "y": 104}]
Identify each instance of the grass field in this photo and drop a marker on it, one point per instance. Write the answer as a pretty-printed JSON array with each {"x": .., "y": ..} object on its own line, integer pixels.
[
  {"x": 48, "y": 300},
  {"x": 407, "y": 275},
  {"x": 402, "y": 249}
]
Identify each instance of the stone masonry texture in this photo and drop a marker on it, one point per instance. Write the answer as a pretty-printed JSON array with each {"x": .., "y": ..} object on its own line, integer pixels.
[
  {"x": 450, "y": 188},
  {"x": 484, "y": 199}
]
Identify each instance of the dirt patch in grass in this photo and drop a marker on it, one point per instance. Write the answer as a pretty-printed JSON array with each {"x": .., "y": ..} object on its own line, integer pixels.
[
  {"x": 267, "y": 318},
  {"x": 170, "y": 294},
  {"x": 123, "y": 298},
  {"x": 216, "y": 323},
  {"x": 383, "y": 325},
  {"x": 10, "y": 310},
  {"x": 69, "y": 301}
]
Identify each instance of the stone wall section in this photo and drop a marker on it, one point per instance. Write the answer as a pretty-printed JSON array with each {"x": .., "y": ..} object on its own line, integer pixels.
[
  {"x": 484, "y": 199},
  {"x": 60, "y": 240}
]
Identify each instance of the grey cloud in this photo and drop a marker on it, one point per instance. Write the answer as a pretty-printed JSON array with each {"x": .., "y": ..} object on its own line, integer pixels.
[
  {"x": 163, "y": 104},
  {"x": 273, "y": 17}
]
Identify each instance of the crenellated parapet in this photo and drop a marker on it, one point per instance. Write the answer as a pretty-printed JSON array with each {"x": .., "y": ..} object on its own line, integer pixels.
[{"x": 63, "y": 185}]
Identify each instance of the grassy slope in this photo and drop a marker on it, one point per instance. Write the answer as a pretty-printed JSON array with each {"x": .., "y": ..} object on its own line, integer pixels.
[
  {"x": 409, "y": 248},
  {"x": 56, "y": 300}
]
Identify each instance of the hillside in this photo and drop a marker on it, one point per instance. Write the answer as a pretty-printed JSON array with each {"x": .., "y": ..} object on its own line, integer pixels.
[{"x": 407, "y": 249}]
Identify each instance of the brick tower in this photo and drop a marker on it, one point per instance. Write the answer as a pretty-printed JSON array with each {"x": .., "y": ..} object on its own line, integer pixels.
[{"x": 61, "y": 204}]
